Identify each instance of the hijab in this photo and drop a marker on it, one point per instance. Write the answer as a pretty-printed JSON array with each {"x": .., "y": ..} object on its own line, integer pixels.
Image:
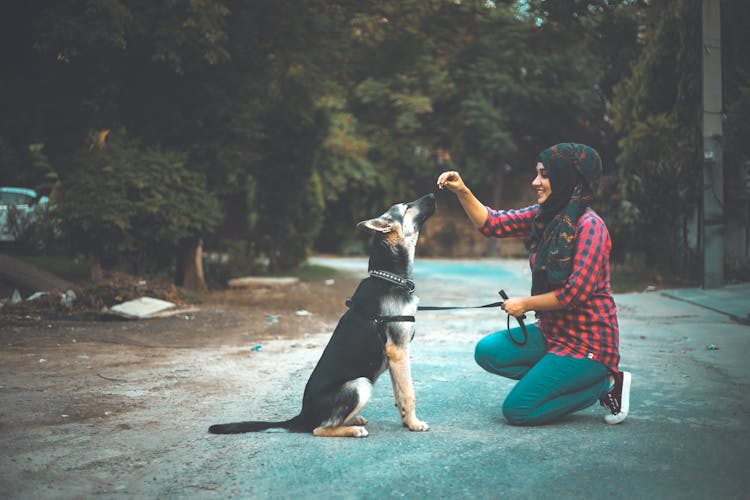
[{"x": 573, "y": 170}]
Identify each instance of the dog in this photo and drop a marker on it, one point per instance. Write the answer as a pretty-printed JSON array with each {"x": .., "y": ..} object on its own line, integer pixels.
[{"x": 372, "y": 336}]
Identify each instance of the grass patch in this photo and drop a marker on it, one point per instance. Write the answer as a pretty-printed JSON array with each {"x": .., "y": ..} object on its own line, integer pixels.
[
  {"x": 67, "y": 268},
  {"x": 314, "y": 272}
]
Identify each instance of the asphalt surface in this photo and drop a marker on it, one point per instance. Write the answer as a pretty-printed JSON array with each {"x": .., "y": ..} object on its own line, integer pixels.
[{"x": 686, "y": 436}]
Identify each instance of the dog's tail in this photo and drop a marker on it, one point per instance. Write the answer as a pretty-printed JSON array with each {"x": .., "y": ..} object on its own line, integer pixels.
[{"x": 292, "y": 425}]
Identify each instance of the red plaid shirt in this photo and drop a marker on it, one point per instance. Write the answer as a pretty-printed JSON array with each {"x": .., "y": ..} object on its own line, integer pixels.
[{"x": 587, "y": 326}]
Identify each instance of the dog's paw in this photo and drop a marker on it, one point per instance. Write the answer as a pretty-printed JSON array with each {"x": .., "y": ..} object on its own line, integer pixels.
[
  {"x": 359, "y": 432},
  {"x": 417, "y": 426},
  {"x": 357, "y": 420}
]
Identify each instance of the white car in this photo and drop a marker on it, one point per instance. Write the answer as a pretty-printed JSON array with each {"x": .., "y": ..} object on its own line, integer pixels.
[{"x": 18, "y": 208}]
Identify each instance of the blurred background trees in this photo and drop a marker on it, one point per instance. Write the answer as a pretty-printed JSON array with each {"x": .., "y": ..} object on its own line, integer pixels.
[{"x": 268, "y": 129}]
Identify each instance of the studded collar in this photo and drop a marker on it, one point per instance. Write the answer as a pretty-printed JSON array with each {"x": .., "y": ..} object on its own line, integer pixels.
[{"x": 393, "y": 278}]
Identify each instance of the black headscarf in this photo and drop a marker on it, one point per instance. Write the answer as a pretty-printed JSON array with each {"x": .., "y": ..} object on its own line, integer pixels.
[{"x": 573, "y": 171}]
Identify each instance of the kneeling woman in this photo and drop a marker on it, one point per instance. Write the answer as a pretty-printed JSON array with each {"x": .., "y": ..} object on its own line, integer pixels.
[{"x": 571, "y": 357}]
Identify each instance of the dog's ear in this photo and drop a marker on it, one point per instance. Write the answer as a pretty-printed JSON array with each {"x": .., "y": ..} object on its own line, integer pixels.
[{"x": 379, "y": 225}]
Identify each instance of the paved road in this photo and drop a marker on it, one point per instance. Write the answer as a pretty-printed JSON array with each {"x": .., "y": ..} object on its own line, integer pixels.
[{"x": 687, "y": 436}]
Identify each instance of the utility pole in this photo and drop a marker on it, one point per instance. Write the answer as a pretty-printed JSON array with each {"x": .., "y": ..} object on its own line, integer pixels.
[{"x": 712, "y": 224}]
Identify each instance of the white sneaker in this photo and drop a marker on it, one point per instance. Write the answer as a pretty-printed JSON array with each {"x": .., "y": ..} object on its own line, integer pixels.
[{"x": 617, "y": 400}]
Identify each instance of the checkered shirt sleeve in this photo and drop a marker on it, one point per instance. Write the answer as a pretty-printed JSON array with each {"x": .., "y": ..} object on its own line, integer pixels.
[{"x": 508, "y": 223}]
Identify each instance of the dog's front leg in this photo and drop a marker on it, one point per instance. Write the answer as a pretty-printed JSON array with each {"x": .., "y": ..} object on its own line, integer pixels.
[
  {"x": 398, "y": 397},
  {"x": 403, "y": 387}
]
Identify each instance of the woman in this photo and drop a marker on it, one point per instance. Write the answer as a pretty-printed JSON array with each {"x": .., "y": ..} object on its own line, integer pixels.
[{"x": 571, "y": 357}]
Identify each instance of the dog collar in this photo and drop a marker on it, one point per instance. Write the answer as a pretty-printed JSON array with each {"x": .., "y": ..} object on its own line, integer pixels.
[{"x": 393, "y": 278}]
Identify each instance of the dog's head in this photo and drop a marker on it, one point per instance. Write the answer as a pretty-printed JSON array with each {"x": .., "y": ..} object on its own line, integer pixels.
[{"x": 398, "y": 228}]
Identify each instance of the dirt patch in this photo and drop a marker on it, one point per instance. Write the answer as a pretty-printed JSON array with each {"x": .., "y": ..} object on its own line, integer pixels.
[
  {"x": 60, "y": 367},
  {"x": 88, "y": 400}
]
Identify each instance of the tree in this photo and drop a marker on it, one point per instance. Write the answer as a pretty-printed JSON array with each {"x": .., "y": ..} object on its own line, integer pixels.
[
  {"x": 92, "y": 65},
  {"x": 289, "y": 191},
  {"x": 290, "y": 113},
  {"x": 656, "y": 110},
  {"x": 736, "y": 92},
  {"x": 128, "y": 206}
]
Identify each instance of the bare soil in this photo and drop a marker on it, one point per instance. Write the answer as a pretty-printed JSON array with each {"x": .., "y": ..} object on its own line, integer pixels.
[{"x": 59, "y": 368}]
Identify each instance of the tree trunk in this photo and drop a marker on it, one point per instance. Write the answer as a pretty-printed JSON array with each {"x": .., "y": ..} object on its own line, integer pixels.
[
  {"x": 190, "y": 266},
  {"x": 96, "y": 271}
]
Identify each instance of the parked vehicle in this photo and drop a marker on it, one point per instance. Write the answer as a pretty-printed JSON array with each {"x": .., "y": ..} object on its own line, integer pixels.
[{"x": 18, "y": 209}]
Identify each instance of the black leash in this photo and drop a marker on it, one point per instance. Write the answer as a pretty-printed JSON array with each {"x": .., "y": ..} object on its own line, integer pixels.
[
  {"x": 494, "y": 304},
  {"x": 447, "y": 308},
  {"x": 409, "y": 285}
]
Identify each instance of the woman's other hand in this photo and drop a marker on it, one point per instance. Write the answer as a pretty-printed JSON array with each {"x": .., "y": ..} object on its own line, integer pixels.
[{"x": 515, "y": 307}]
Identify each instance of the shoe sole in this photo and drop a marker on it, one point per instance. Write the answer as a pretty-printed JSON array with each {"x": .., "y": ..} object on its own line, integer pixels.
[{"x": 624, "y": 403}]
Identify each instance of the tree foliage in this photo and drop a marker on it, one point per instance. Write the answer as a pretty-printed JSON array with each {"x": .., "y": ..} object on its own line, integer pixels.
[
  {"x": 126, "y": 203},
  {"x": 251, "y": 122},
  {"x": 656, "y": 110}
]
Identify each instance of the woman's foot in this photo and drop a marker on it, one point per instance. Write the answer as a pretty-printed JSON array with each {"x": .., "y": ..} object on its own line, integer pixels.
[{"x": 617, "y": 400}]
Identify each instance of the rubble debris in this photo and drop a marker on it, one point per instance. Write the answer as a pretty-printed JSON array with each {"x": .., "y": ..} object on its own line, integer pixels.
[
  {"x": 36, "y": 295},
  {"x": 141, "y": 308},
  {"x": 93, "y": 301},
  {"x": 68, "y": 298}
]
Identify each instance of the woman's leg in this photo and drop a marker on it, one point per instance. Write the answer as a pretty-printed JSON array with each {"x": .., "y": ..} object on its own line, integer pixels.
[
  {"x": 554, "y": 387},
  {"x": 497, "y": 354}
]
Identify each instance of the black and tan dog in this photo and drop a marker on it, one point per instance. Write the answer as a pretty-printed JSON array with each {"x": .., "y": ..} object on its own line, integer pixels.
[{"x": 372, "y": 336}]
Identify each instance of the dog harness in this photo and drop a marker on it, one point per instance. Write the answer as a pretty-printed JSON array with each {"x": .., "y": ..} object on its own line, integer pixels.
[{"x": 380, "y": 320}]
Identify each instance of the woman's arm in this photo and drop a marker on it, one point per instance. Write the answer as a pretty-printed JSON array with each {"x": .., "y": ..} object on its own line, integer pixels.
[{"x": 542, "y": 302}]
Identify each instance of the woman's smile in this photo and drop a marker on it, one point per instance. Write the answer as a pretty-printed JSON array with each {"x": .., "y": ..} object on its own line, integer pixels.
[{"x": 541, "y": 184}]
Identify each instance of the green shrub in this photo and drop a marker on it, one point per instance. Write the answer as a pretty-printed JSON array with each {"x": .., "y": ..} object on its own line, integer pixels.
[{"x": 131, "y": 206}]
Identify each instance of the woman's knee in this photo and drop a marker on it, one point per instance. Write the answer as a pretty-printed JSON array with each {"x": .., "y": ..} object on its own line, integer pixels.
[
  {"x": 516, "y": 414},
  {"x": 489, "y": 355},
  {"x": 484, "y": 354}
]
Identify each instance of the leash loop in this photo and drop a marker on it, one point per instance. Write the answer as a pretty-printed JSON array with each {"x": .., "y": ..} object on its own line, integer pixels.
[{"x": 520, "y": 322}]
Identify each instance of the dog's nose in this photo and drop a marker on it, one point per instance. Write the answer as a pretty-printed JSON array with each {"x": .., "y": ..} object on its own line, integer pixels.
[{"x": 428, "y": 202}]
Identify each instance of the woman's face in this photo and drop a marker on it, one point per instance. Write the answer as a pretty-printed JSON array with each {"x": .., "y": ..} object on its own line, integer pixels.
[{"x": 541, "y": 184}]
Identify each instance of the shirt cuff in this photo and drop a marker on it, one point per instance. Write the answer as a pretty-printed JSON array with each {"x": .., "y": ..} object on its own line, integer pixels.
[
  {"x": 564, "y": 297},
  {"x": 486, "y": 229}
]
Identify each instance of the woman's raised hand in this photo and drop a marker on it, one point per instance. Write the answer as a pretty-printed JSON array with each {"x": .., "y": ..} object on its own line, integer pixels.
[{"x": 451, "y": 180}]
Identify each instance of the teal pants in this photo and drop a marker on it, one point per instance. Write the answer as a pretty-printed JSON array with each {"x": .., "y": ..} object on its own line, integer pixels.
[{"x": 549, "y": 386}]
